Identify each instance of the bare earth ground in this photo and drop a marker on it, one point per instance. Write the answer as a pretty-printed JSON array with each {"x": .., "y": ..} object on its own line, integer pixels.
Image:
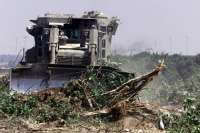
[
  {"x": 142, "y": 119},
  {"x": 128, "y": 124},
  {"x": 143, "y": 122}
]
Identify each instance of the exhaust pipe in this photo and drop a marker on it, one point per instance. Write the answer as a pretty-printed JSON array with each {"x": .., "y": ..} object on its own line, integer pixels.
[
  {"x": 53, "y": 53},
  {"x": 54, "y": 38}
]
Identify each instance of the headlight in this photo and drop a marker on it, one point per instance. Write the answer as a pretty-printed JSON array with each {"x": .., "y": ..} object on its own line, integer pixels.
[
  {"x": 62, "y": 33},
  {"x": 46, "y": 31}
]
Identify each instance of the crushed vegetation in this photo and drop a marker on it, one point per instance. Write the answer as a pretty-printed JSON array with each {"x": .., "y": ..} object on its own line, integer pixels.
[{"x": 94, "y": 97}]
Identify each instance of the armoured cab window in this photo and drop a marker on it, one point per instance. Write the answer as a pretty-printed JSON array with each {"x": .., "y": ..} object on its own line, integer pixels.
[
  {"x": 85, "y": 25},
  {"x": 40, "y": 43},
  {"x": 75, "y": 34},
  {"x": 103, "y": 53},
  {"x": 39, "y": 35},
  {"x": 103, "y": 43},
  {"x": 40, "y": 31},
  {"x": 68, "y": 33},
  {"x": 39, "y": 52},
  {"x": 103, "y": 28}
]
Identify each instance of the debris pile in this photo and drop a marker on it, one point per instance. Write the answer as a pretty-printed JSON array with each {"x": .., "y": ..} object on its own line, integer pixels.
[{"x": 106, "y": 96}]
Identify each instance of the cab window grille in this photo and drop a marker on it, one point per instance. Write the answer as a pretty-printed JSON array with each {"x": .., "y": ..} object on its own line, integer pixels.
[
  {"x": 103, "y": 43},
  {"x": 75, "y": 34},
  {"x": 40, "y": 52},
  {"x": 103, "y": 28},
  {"x": 103, "y": 53}
]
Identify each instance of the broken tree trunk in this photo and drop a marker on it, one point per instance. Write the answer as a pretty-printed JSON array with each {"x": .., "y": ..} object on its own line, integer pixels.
[
  {"x": 147, "y": 77},
  {"x": 123, "y": 94}
]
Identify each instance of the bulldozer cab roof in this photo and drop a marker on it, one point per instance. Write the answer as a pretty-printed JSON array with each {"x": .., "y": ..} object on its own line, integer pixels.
[{"x": 62, "y": 19}]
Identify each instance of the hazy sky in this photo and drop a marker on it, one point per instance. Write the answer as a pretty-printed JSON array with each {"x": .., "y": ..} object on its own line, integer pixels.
[{"x": 144, "y": 21}]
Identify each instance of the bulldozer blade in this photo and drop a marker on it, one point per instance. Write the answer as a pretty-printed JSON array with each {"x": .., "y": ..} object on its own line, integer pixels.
[
  {"x": 40, "y": 76},
  {"x": 33, "y": 77}
]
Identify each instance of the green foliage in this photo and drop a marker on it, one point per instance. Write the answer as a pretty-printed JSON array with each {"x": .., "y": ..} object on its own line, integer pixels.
[
  {"x": 44, "y": 114},
  {"x": 178, "y": 80},
  {"x": 12, "y": 105},
  {"x": 188, "y": 102},
  {"x": 72, "y": 119},
  {"x": 114, "y": 23},
  {"x": 30, "y": 107},
  {"x": 189, "y": 122},
  {"x": 94, "y": 83}
]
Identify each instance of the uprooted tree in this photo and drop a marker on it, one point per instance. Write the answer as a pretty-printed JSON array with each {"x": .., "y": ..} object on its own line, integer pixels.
[
  {"x": 93, "y": 93},
  {"x": 115, "y": 93}
]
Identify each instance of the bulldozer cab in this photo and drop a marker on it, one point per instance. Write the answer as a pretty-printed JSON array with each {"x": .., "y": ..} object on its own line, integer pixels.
[
  {"x": 64, "y": 46},
  {"x": 65, "y": 39}
]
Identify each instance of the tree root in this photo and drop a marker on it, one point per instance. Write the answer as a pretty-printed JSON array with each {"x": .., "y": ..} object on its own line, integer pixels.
[{"x": 123, "y": 94}]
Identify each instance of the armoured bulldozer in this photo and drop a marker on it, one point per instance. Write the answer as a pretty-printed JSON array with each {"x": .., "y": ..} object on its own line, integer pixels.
[{"x": 64, "y": 46}]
